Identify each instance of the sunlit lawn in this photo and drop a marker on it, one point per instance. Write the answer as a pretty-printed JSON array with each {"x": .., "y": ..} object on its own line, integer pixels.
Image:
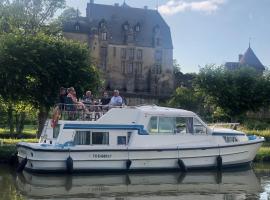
[{"x": 28, "y": 129}]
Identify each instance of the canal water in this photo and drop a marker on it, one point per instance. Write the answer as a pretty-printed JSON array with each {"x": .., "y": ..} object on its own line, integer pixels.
[{"x": 228, "y": 185}]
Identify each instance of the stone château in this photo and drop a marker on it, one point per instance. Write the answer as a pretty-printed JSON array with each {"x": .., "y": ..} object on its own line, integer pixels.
[{"x": 132, "y": 47}]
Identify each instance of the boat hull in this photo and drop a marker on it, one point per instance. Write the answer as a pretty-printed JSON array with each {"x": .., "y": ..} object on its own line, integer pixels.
[{"x": 111, "y": 160}]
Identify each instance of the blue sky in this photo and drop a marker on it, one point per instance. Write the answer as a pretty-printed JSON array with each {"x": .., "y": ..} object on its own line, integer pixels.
[{"x": 209, "y": 31}]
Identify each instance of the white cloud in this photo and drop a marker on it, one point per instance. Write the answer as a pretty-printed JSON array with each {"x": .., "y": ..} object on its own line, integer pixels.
[{"x": 176, "y": 6}]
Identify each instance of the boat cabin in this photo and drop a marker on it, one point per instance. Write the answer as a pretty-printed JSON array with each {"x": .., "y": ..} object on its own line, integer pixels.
[{"x": 116, "y": 126}]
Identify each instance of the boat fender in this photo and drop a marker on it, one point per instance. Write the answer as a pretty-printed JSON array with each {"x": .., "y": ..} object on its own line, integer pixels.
[
  {"x": 21, "y": 166},
  {"x": 182, "y": 165},
  {"x": 128, "y": 164},
  {"x": 69, "y": 164},
  {"x": 219, "y": 163}
]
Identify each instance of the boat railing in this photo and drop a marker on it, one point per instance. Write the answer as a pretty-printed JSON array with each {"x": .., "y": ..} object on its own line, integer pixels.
[{"x": 84, "y": 112}]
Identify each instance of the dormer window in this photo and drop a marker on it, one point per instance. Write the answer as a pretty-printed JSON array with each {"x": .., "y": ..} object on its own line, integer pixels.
[
  {"x": 77, "y": 26},
  {"x": 156, "y": 30},
  {"x": 126, "y": 26},
  {"x": 102, "y": 24},
  {"x": 104, "y": 36},
  {"x": 138, "y": 28}
]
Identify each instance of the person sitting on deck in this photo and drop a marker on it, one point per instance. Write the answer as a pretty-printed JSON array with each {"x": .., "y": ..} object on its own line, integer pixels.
[
  {"x": 116, "y": 100},
  {"x": 105, "y": 100},
  {"x": 72, "y": 96},
  {"x": 88, "y": 98}
]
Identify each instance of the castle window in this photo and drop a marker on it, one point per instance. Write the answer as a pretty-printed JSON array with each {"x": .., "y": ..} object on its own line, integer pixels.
[
  {"x": 114, "y": 51},
  {"x": 126, "y": 26},
  {"x": 138, "y": 28},
  {"x": 123, "y": 66},
  {"x": 131, "y": 53},
  {"x": 158, "y": 69},
  {"x": 104, "y": 36},
  {"x": 139, "y": 54},
  {"x": 102, "y": 24},
  {"x": 157, "y": 41},
  {"x": 77, "y": 27},
  {"x": 123, "y": 53},
  {"x": 158, "y": 56},
  {"x": 130, "y": 68},
  {"x": 139, "y": 68},
  {"x": 156, "y": 30}
]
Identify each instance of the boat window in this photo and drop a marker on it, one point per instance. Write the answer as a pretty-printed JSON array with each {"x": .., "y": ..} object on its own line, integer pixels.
[
  {"x": 184, "y": 125},
  {"x": 166, "y": 125},
  {"x": 56, "y": 131},
  {"x": 121, "y": 140},
  {"x": 82, "y": 138},
  {"x": 153, "y": 125},
  {"x": 199, "y": 128},
  {"x": 100, "y": 138},
  {"x": 174, "y": 125},
  {"x": 230, "y": 139}
]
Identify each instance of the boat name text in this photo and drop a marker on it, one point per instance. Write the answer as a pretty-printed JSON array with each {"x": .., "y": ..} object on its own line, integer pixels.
[{"x": 102, "y": 155}]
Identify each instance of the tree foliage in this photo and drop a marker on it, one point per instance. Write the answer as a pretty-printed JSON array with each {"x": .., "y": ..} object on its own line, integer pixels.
[
  {"x": 34, "y": 67},
  {"x": 186, "y": 98},
  {"x": 234, "y": 91},
  {"x": 27, "y": 16}
]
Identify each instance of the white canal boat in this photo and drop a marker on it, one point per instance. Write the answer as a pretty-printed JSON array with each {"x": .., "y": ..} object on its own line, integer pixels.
[{"x": 137, "y": 139}]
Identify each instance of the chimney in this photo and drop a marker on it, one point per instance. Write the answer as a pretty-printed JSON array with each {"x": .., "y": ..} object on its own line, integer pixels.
[
  {"x": 240, "y": 56},
  {"x": 145, "y": 7},
  {"x": 91, "y": 1},
  {"x": 116, "y": 4}
]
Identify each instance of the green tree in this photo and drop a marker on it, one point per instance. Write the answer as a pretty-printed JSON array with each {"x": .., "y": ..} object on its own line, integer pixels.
[
  {"x": 181, "y": 79},
  {"x": 186, "y": 98},
  {"x": 27, "y": 16},
  {"x": 34, "y": 67},
  {"x": 234, "y": 91}
]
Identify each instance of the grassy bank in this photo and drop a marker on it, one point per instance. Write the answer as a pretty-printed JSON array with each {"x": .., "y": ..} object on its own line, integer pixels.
[
  {"x": 28, "y": 129},
  {"x": 28, "y": 132},
  {"x": 263, "y": 155}
]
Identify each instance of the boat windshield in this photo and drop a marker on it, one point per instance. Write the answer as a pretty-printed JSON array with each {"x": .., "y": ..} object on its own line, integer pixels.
[{"x": 174, "y": 125}]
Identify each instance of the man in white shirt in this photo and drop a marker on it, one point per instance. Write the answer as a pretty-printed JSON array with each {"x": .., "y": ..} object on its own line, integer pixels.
[{"x": 116, "y": 100}]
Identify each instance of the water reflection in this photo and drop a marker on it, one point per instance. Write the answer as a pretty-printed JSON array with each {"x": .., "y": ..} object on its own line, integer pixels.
[{"x": 210, "y": 185}]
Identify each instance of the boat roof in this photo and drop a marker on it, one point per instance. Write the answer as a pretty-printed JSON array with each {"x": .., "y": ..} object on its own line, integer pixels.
[
  {"x": 137, "y": 114},
  {"x": 157, "y": 110}
]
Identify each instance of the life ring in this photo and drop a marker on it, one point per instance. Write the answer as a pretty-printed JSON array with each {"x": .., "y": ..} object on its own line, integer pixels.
[{"x": 55, "y": 117}]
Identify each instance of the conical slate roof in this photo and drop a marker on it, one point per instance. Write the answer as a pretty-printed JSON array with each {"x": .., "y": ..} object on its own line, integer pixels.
[{"x": 250, "y": 59}]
